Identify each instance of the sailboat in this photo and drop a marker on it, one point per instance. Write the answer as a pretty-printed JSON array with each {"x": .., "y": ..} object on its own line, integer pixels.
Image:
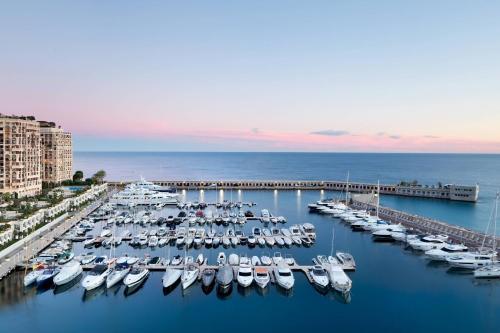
[{"x": 484, "y": 256}]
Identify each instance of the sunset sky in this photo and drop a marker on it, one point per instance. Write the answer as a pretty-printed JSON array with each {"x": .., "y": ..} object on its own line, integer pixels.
[{"x": 377, "y": 76}]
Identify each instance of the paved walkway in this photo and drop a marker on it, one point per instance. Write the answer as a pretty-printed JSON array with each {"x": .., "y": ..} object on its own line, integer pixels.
[{"x": 40, "y": 239}]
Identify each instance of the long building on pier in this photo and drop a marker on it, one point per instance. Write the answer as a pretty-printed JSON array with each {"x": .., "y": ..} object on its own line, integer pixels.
[{"x": 447, "y": 192}]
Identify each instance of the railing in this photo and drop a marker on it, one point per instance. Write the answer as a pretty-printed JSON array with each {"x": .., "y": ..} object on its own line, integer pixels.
[{"x": 427, "y": 225}]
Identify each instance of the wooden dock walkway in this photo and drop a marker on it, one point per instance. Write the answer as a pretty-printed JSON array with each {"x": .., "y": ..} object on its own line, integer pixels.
[{"x": 422, "y": 224}]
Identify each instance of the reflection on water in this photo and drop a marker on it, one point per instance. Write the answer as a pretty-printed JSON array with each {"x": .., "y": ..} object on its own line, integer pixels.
[
  {"x": 89, "y": 295},
  {"x": 224, "y": 294},
  {"x": 129, "y": 291},
  {"x": 169, "y": 290},
  {"x": 12, "y": 290}
]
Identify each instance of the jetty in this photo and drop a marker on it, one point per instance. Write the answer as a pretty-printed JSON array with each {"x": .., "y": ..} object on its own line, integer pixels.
[
  {"x": 469, "y": 193},
  {"x": 427, "y": 225}
]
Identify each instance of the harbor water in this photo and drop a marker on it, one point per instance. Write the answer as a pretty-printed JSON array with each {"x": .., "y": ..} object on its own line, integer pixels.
[
  {"x": 465, "y": 169},
  {"x": 394, "y": 289}
]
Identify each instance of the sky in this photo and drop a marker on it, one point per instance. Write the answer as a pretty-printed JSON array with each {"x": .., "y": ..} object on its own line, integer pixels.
[{"x": 327, "y": 76}]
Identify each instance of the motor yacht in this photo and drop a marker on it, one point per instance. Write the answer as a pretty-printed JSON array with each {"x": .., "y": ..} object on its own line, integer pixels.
[
  {"x": 117, "y": 274},
  {"x": 96, "y": 277},
  {"x": 261, "y": 276},
  {"x": 429, "y": 242},
  {"x": 255, "y": 261},
  {"x": 68, "y": 273},
  {"x": 31, "y": 277},
  {"x": 135, "y": 277},
  {"x": 46, "y": 277},
  {"x": 221, "y": 259},
  {"x": 224, "y": 277},
  {"x": 284, "y": 276},
  {"x": 320, "y": 276},
  {"x": 171, "y": 276},
  {"x": 346, "y": 260},
  {"x": 338, "y": 278},
  {"x": 207, "y": 277},
  {"x": 277, "y": 258},
  {"x": 488, "y": 272},
  {"x": 245, "y": 275},
  {"x": 176, "y": 260},
  {"x": 448, "y": 251},
  {"x": 472, "y": 260},
  {"x": 266, "y": 261}
]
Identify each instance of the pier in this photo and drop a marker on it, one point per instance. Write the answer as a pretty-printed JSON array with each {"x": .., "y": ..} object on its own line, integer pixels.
[
  {"x": 445, "y": 192},
  {"x": 422, "y": 224}
]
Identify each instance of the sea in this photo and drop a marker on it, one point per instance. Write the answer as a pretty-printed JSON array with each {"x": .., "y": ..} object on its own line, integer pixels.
[{"x": 394, "y": 288}]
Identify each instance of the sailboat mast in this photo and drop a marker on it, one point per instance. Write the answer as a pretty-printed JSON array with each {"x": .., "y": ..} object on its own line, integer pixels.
[
  {"x": 333, "y": 237},
  {"x": 378, "y": 196},
  {"x": 347, "y": 188}
]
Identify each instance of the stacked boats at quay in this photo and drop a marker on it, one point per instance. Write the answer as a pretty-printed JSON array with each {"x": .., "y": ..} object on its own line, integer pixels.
[
  {"x": 136, "y": 217},
  {"x": 482, "y": 262}
]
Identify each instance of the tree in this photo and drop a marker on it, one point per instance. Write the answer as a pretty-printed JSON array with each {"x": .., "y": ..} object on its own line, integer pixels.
[
  {"x": 99, "y": 176},
  {"x": 78, "y": 176},
  {"x": 6, "y": 197}
]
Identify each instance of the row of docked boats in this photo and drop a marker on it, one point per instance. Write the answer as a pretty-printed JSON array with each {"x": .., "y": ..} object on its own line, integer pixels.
[{"x": 482, "y": 262}]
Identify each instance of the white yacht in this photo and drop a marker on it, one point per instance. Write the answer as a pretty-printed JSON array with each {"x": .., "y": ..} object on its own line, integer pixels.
[
  {"x": 472, "y": 260},
  {"x": 69, "y": 271},
  {"x": 96, "y": 277},
  {"x": 133, "y": 195},
  {"x": 189, "y": 276},
  {"x": 117, "y": 274},
  {"x": 234, "y": 259},
  {"x": 488, "y": 272},
  {"x": 319, "y": 276},
  {"x": 308, "y": 230},
  {"x": 448, "y": 251},
  {"x": 171, "y": 276},
  {"x": 338, "y": 278},
  {"x": 261, "y": 276},
  {"x": 245, "y": 275},
  {"x": 429, "y": 242},
  {"x": 284, "y": 276},
  {"x": 135, "y": 277}
]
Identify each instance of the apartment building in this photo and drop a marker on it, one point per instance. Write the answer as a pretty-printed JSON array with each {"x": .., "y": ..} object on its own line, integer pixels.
[
  {"x": 32, "y": 152},
  {"x": 20, "y": 156},
  {"x": 57, "y": 153}
]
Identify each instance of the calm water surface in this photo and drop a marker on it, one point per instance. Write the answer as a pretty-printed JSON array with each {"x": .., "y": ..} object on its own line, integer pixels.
[
  {"x": 394, "y": 290},
  {"x": 388, "y": 168}
]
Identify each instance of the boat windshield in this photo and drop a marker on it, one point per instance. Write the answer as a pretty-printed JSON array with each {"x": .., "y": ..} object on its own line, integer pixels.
[
  {"x": 285, "y": 273},
  {"x": 245, "y": 273}
]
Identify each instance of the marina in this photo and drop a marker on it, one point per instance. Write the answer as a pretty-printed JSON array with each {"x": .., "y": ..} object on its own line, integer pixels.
[{"x": 278, "y": 204}]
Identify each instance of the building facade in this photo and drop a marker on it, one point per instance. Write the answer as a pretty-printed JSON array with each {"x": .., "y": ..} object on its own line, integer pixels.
[
  {"x": 32, "y": 152},
  {"x": 57, "y": 153},
  {"x": 20, "y": 156}
]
